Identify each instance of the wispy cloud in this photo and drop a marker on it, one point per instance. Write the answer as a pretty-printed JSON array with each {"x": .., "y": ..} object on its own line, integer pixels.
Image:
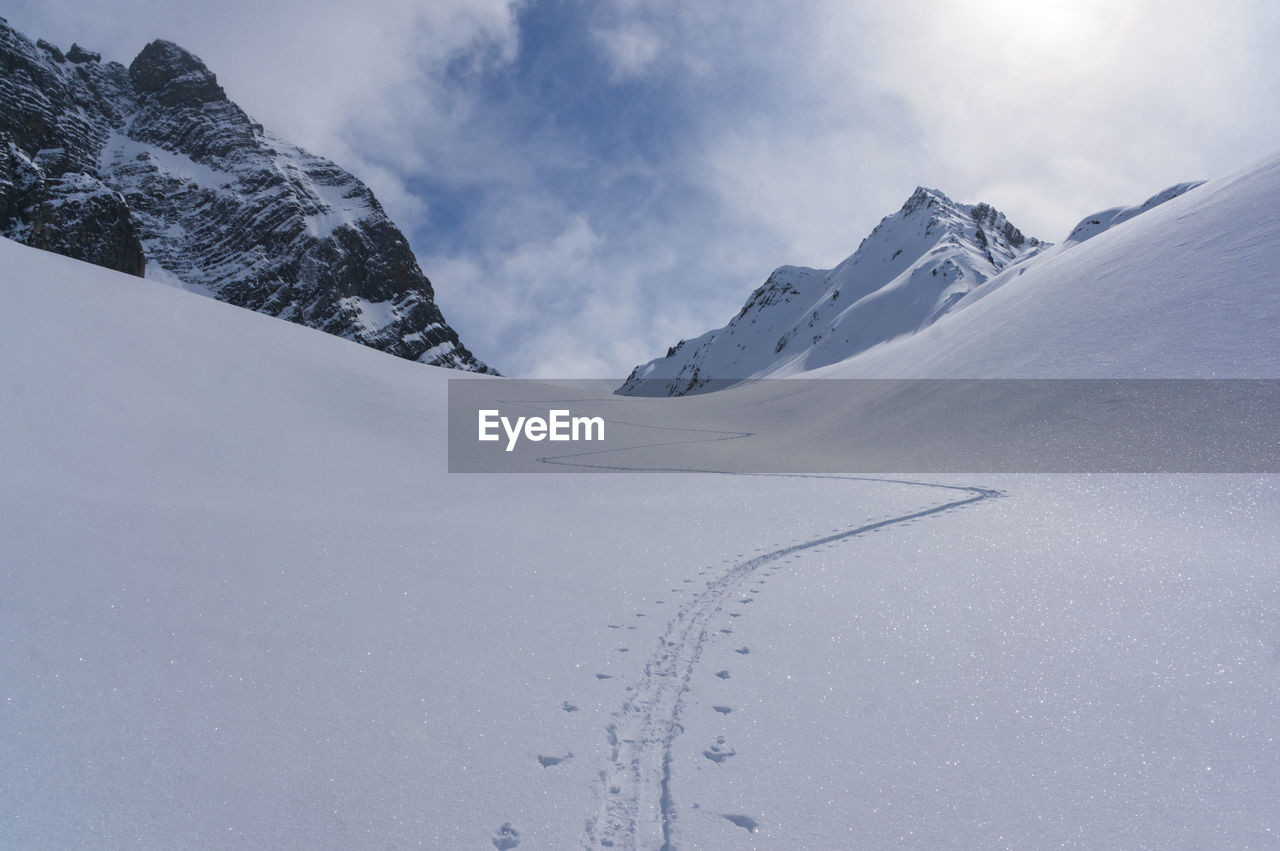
[{"x": 587, "y": 183}]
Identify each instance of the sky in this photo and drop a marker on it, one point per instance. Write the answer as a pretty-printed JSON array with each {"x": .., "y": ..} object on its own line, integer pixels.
[{"x": 586, "y": 183}]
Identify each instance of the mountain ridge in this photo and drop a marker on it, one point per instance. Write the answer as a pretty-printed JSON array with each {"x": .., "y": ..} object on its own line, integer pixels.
[
  {"x": 1187, "y": 288},
  {"x": 912, "y": 269},
  {"x": 153, "y": 170}
]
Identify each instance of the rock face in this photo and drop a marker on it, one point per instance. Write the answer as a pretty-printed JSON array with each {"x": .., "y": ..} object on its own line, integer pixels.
[
  {"x": 152, "y": 170},
  {"x": 81, "y": 217},
  {"x": 912, "y": 269}
]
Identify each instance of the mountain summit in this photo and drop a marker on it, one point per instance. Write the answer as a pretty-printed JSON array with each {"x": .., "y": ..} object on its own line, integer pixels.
[
  {"x": 152, "y": 170},
  {"x": 910, "y": 271}
]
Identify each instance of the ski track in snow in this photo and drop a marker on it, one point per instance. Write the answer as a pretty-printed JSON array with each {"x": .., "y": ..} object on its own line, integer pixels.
[{"x": 636, "y": 808}]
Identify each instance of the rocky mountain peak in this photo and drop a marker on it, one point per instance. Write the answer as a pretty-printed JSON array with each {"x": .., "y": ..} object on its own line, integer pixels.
[
  {"x": 923, "y": 196},
  {"x": 152, "y": 170},
  {"x": 79, "y": 55},
  {"x": 174, "y": 75},
  {"x": 916, "y": 266}
]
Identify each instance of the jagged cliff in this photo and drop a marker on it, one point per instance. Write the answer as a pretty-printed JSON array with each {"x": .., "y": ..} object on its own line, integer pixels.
[{"x": 151, "y": 169}]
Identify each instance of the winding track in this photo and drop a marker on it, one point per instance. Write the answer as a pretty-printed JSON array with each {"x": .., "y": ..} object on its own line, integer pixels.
[{"x": 636, "y": 809}]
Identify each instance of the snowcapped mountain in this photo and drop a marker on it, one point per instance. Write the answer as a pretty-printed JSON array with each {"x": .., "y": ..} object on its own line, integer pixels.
[
  {"x": 218, "y": 627},
  {"x": 1185, "y": 285},
  {"x": 913, "y": 268},
  {"x": 152, "y": 170}
]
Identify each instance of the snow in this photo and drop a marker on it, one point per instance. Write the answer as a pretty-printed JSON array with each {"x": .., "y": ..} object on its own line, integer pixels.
[
  {"x": 156, "y": 272},
  {"x": 339, "y": 210},
  {"x": 908, "y": 273},
  {"x": 334, "y": 205},
  {"x": 243, "y": 604},
  {"x": 436, "y": 351},
  {"x": 1188, "y": 289},
  {"x": 120, "y": 149},
  {"x": 372, "y": 316},
  {"x": 1093, "y": 225}
]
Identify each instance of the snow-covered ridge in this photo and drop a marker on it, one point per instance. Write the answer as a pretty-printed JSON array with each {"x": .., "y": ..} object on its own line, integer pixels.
[
  {"x": 184, "y": 183},
  {"x": 1182, "y": 286},
  {"x": 1091, "y": 226},
  {"x": 911, "y": 270}
]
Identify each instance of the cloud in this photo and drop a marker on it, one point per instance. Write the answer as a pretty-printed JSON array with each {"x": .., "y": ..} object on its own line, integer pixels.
[
  {"x": 587, "y": 183},
  {"x": 321, "y": 73},
  {"x": 568, "y": 306},
  {"x": 1053, "y": 110},
  {"x": 631, "y": 51}
]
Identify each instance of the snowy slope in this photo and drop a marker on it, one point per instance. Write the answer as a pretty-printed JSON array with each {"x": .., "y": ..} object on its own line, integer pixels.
[
  {"x": 1188, "y": 289},
  {"x": 1103, "y": 220},
  {"x": 243, "y": 605},
  {"x": 912, "y": 269}
]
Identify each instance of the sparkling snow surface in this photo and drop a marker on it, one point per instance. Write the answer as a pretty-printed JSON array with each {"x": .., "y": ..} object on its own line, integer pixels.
[{"x": 244, "y": 605}]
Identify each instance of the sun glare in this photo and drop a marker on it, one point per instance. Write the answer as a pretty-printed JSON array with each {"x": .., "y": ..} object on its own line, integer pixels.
[{"x": 1043, "y": 32}]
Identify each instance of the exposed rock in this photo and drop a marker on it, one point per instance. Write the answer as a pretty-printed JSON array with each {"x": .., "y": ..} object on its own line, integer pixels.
[
  {"x": 97, "y": 160},
  {"x": 915, "y": 267},
  {"x": 81, "y": 217},
  {"x": 78, "y": 54},
  {"x": 173, "y": 76}
]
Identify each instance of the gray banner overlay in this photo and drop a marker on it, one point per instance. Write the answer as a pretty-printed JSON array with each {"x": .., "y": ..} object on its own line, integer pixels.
[{"x": 870, "y": 426}]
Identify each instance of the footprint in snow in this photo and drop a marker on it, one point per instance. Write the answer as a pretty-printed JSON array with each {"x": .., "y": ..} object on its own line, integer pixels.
[
  {"x": 724, "y": 675},
  {"x": 568, "y": 707},
  {"x": 747, "y": 823},
  {"x": 548, "y": 761},
  {"x": 624, "y": 649},
  {"x": 718, "y": 753},
  {"x": 743, "y": 651},
  {"x": 723, "y": 710},
  {"x": 604, "y": 676},
  {"x": 507, "y": 837}
]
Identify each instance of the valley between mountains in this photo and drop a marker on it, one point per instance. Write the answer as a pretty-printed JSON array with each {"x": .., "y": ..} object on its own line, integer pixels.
[
  {"x": 312, "y": 636},
  {"x": 244, "y": 603}
]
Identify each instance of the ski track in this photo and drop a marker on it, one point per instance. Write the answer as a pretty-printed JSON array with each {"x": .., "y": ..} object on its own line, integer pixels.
[{"x": 636, "y": 808}]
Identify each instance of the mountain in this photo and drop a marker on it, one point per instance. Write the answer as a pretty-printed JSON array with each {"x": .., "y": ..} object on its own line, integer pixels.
[
  {"x": 243, "y": 600},
  {"x": 1189, "y": 287},
  {"x": 152, "y": 170},
  {"x": 910, "y": 271}
]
